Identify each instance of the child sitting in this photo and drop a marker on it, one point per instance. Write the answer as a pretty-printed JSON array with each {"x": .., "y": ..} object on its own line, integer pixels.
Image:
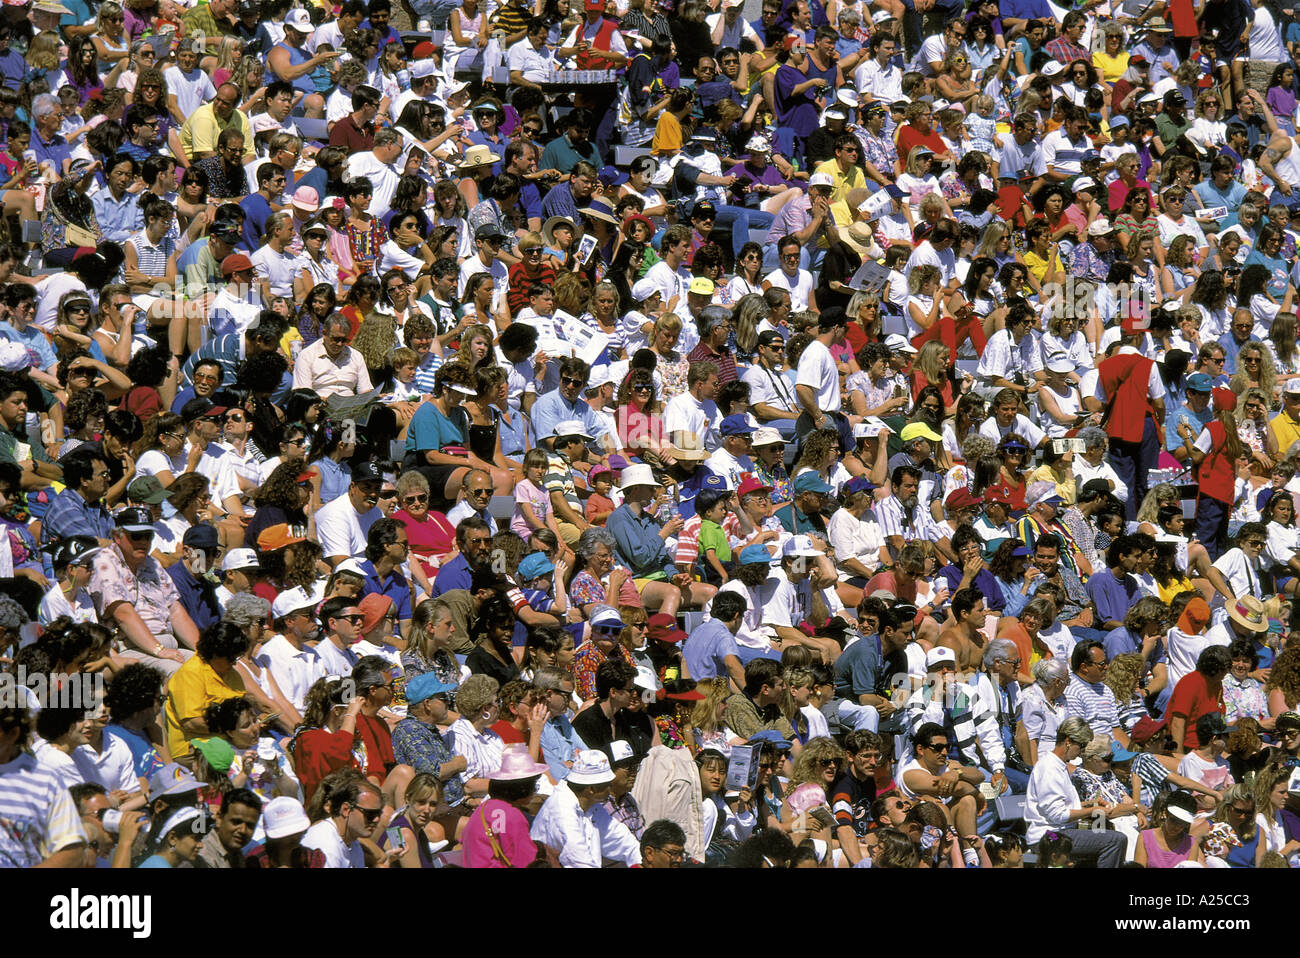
[{"x": 599, "y": 504}]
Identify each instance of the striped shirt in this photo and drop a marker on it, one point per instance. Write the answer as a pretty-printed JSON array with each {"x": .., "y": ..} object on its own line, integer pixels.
[
  {"x": 152, "y": 259},
  {"x": 511, "y": 17},
  {"x": 930, "y": 704},
  {"x": 37, "y": 815},
  {"x": 1094, "y": 703}
]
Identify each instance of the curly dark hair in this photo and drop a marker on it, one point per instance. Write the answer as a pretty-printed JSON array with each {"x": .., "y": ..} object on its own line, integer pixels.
[
  {"x": 293, "y": 565},
  {"x": 83, "y": 407},
  {"x": 148, "y": 367},
  {"x": 135, "y": 687},
  {"x": 261, "y": 374},
  {"x": 223, "y": 717},
  {"x": 281, "y": 489},
  {"x": 1000, "y": 564},
  {"x": 221, "y": 640}
]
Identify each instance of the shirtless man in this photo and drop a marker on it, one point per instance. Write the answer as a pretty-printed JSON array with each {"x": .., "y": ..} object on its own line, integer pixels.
[{"x": 961, "y": 632}]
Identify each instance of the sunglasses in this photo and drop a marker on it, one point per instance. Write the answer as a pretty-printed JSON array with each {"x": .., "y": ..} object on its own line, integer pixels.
[
  {"x": 371, "y": 815},
  {"x": 416, "y": 499},
  {"x": 573, "y": 381},
  {"x": 354, "y": 619},
  {"x": 387, "y": 493}
]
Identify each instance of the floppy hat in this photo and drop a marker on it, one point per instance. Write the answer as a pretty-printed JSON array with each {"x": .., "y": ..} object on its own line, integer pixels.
[
  {"x": 590, "y": 767},
  {"x": 690, "y": 448},
  {"x": 768, "y": 436},
  {"x": 478, "y": 155},
  {"x": 600, "y": 209}
]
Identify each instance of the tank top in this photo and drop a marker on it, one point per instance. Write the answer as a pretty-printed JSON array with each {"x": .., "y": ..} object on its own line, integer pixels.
[
  {"x": 296, "y": 58},
  {"x": 1158, "y": 857}
]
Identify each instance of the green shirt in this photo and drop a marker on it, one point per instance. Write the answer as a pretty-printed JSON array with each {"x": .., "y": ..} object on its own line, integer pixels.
[{"x": 712, "y": 537}]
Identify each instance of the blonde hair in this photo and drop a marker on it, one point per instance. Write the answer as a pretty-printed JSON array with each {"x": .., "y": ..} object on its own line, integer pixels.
[
  {"x": 914, "y": 159},
  {"x": 807, "y": 767},
  {"x": 704, "y": 716},
  {"x": 920, "y": 276}
]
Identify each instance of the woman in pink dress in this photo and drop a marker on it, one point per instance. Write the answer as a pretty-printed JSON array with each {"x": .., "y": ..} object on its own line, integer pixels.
[{"x": 1172, "y": 842}]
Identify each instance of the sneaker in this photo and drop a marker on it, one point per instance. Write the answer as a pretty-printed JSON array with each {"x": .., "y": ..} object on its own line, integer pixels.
[{"x": 423, "y": 27}]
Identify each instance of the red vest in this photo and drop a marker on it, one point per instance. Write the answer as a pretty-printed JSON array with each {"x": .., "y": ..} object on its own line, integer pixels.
[
  {"x": 1124, "y": 379},
  {"x": 1215, "y": 475},
  {"x": 600, "y": 41}
]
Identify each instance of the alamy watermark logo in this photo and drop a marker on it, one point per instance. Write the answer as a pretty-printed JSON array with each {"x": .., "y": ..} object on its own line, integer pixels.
[
  {"x": 54, "y": 690},
  {"x": 78, "y": 912}
]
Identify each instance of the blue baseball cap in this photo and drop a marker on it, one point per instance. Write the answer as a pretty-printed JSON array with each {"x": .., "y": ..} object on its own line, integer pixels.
[
  {"x": 714, "y": 481},
  {"x": 810, "y": 482},
  {"x": 426, "y": 686},
  {"x": 1200, "y": 382},
  {"x": 612, "y": 176},
  {"x": 755, "y": 555},
  {"x": 534, "y": 565},
  {"x": 770, "y": 737},
  {"x": 736, "y": 425},
  {"x": 859, "y": 484}
]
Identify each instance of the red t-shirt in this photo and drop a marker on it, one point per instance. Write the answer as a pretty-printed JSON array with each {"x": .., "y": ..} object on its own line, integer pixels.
[
  {"x": 910, "y": 137},
  {"x": 317, "y": 752},
  {"x": 378, "y": 741},
  {"x": 1192, "y": 699},
  {"x": 509, "y": 734}
]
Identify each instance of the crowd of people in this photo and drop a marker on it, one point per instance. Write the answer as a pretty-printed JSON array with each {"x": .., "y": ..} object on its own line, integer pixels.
[{"x": 622, "y": 433}]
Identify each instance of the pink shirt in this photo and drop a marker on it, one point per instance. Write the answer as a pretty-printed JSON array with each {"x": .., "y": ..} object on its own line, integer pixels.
[{"x": 525, "y": 491}]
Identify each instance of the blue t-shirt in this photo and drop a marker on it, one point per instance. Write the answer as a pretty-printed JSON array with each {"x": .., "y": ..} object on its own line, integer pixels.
[
  {"x": 257, "y": 209},
  {"x": 144, "y": 755},
  {"x": 1276, "y": 266},
  {"x": 1112, "y": 597},
  {"x": 706, "y": 649}
]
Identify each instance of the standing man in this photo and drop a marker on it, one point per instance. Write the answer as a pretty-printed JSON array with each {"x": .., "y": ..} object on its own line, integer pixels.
[
  {"x": 817, "y": 384},
  {"x": 1131, "y": 395},
  {"x": 378, "y": 165}
]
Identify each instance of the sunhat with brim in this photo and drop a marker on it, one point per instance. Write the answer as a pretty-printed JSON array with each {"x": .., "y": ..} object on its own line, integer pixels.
[
  {"x": 590, "y": 767},
  {"x": 516, "y": 763},
  {"x": 690, "y": 449},
  {"x": 548, "y": 228},
  {"x": 638, "y": 475},
  {"x": 1248, "y": 612},
  {"x": 478, "y": 155},
  {"x": 600, "y": 209}
]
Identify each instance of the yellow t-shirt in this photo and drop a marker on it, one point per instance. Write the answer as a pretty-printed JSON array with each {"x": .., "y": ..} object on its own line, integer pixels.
[
  {"x": 1112, "y": 68},
  {"x": 843, "y": 182},
  {"x": 668, "y": 135},
  {"x": 1038, "y": 266},
  {"x": 194, "y": 687}
]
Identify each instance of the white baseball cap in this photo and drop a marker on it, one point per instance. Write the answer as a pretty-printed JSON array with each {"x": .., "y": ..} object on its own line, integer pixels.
[{"x": 821, "y": 179}]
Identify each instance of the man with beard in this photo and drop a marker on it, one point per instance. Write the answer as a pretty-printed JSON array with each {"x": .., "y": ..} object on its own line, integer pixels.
[
  {"x": 898, "y": 517},
  {"x": 474, "y": 540},
  {"x": 294, "y": 664}
]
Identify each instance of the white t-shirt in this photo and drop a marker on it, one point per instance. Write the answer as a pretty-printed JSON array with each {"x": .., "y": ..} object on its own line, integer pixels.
[
  {"x": 55, "y": 604},
  {"x": 800, "y": 287},
  {"x": 192, "y": 90},
  {"x": 383, "y": 178},
  {"x": 276, "y": 268},
  {"x": 324, "y": 835},
  {"x": 155, "y": 461},
  {"x": 817, "y": 369},
  {"x": 342, "y": 530}
]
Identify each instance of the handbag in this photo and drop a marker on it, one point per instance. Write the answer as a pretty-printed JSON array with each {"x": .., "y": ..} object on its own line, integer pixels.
[{"x": 80, "y": 236}]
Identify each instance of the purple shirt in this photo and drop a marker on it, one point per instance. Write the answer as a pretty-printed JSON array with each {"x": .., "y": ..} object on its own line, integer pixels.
[{"x": 796, "y": 112}]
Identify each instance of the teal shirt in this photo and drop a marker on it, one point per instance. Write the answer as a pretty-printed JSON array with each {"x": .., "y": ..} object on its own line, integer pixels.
[
  {"x": 154, "y": 861},
  {"x": 430, "y": 429},
  {"x": 561, "y": 155}
]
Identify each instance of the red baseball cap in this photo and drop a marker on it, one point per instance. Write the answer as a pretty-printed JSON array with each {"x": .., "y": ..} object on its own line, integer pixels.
[
  {"x": 662, "y": 627},
  {"x": 1000, "y": 494},
  {"x": 750, "y": 484}
]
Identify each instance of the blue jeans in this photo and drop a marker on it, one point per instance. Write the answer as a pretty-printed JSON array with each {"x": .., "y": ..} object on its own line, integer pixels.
[
  {"x": 437, "y": 12},
  {"x": 1105, "y": 848},
  {"x": 741, "y": 219},
  {"x": 747, "y": 655},
  {"x": 1212, "y": 525},
  {"x": 1132, "y": 461}
]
